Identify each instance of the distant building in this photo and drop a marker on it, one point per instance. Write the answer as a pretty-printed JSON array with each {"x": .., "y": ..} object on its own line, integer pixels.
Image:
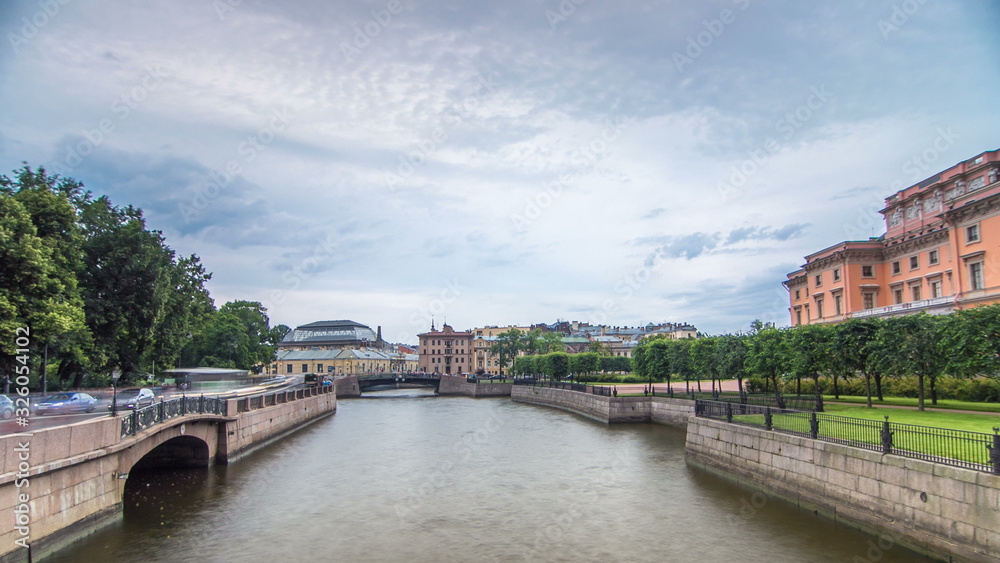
[
  {"x": 938, "y": 254},
  {"x": 348, "y": 361},
  {"x": 331, "y": 335},
  {"x": 483, "y": 360},
  {"x": 445, "y": 351}
]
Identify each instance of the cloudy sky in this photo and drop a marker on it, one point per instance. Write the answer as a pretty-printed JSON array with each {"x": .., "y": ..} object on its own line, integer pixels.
[{"x": 501, "y": 162}]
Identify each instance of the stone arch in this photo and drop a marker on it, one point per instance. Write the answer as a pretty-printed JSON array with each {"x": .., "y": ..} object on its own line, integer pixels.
[
  {"x": 178, "y": 452},
  {"x": 184, "y": 444}
]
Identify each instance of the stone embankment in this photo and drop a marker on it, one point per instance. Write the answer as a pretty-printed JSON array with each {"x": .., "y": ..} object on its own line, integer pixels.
[
  {"x": 663, "y": 410},
  {"x": 942, "y": 511},
  {"x": 455, "y": 385}
]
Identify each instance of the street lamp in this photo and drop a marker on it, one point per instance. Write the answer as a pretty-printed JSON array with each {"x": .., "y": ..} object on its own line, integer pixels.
[{"x": 114, "y": 389}]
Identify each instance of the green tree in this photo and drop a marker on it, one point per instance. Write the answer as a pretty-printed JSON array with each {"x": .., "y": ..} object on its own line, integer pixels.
[
  {"x": 915, "y": 345},
  {"x": 731, "y": 351},
  {"x": 40, "y": 246},
  {"x": 703, "y": 360},
  {"x": 239, "y": 336},
  {"x": 972, "y": 338},
  {"x": 599, "y": 348},
  {"x": 680, "y": 360},
  {"x": 183, "y": 307},
  {"x": 856, "y": 349},
  {"x": 811, "y": 348},
  {"x": 768, "y": 357},
  {"x": 123, "y": 266},
  {"x": 615, "y": 364},
  {"x": 506, "y": 346},
  {"x": 526, "y": 365},
  {"x": 555, "y": 365},
  {"x": 585, "y": 363},
  {"x": 529, "y": 341},
  {"x": 550, "y": 342}
]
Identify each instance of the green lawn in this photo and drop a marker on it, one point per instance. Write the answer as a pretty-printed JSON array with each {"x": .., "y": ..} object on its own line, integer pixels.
[
  {"x": 971, "y": 422},
  {"x": 962, "y": 447},
  {"x": 907, "y": 402}
]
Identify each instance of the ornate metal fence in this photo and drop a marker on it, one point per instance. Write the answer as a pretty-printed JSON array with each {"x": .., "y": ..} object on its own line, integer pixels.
[
  {"x": 603, "y": 390},
  {"x": 143, "y": 418},
  {"x": 960, "y": 448}
]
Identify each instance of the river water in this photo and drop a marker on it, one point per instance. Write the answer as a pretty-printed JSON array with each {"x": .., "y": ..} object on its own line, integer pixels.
[{"x": 406, "y": 476}]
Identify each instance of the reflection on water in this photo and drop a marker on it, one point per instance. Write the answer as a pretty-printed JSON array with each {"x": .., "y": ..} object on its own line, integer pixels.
[{"x": 402, "y": 476}]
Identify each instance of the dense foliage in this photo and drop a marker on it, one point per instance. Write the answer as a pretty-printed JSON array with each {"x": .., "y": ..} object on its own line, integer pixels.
[
  {"x": 953, "y": 356},
  {"x": 99, "y": 292}
]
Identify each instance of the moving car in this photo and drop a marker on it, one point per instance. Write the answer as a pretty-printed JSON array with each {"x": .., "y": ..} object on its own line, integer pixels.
[
  {"x": 134, "y": 398},
  {"x": 6, "y": 407},
  {"x": 64, "y": 403}
]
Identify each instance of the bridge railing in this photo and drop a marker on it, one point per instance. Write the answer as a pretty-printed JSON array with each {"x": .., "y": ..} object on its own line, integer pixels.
[
  {"x": 141, "y": 419},
  {"x": 246, "y": 404}
]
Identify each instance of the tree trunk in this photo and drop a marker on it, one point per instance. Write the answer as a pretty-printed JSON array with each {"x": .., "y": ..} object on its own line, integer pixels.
[
  {"x": 836, "y": 390},
  {"x": 819, "y": 394},
  {"x": 878, "y": 387},
  {"x": 798, "y": 385},
  {"x": 777, "y": 394},
  {"x": 934, "y": 391},
  {"x": 868, "y": 389},
  {"x": 743, "y": 396},
  {"x": 920, "y": 388}
]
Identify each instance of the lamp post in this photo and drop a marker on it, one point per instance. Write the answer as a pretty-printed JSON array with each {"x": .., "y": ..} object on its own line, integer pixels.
[{"x": 114, "y": 389}]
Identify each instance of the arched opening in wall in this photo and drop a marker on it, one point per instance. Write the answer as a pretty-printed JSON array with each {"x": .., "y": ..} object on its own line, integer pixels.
[
  {"x": 176, "y": 453},
  {"x": 169, "y": 482}
]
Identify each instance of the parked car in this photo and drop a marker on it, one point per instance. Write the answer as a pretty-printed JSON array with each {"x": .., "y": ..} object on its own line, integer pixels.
[
  {"x": 134, "y": 398},
  {"x": 64, "y": 403},
  {"x": 6, "y": 407}
]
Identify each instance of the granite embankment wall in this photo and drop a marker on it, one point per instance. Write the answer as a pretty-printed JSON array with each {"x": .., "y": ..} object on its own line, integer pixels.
[
  {"x": 347, "y": 387},
  {"x": 459, "y": 386},
  {"x": 942, "y": 511},
  {"x": 256, "y": 428},
  {"x": 661, "y": 410}
]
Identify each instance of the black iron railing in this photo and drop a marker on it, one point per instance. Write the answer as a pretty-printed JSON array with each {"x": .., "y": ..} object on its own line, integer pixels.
[
  {"x": 603, "y": 390},
  {"x": 959, "y": 448},
  {"x": 140, "y": 419}
]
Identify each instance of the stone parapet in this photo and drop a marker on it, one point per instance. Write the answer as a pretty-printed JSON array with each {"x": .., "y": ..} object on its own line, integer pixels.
[
  {"x": 456, "y": 385},
  {"x": 661, "y": 410},
  {"x": 945, "y": 512}
]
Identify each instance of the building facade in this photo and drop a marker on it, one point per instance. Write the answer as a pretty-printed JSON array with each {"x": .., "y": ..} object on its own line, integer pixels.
[
  {"x": 940, "y": 252},
  {"x": 445, "y": 351}
]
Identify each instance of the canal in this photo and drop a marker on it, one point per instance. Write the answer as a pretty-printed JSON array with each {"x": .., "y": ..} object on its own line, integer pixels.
[{"x": 406, "y": 476}]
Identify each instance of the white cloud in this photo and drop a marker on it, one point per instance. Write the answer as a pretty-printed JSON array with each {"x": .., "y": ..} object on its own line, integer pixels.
[{"x": 514, "y": 187}]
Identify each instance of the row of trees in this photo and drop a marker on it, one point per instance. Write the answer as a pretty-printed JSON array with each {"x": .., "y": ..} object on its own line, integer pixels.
[
  {"x": 511, "y": 343},
  {"x": 963, "y": 344},
  {"x": 99, "y": 291},
  {"x": 559, "y": 365}
]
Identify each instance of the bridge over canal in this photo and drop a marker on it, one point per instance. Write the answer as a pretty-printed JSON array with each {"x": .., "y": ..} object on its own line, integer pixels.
[{"x": 60, "y": 483}]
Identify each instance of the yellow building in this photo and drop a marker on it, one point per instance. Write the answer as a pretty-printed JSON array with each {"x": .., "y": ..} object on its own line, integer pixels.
[
  {"x": 339, "y": 362},
  {"x": 484, "y": 361}
]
